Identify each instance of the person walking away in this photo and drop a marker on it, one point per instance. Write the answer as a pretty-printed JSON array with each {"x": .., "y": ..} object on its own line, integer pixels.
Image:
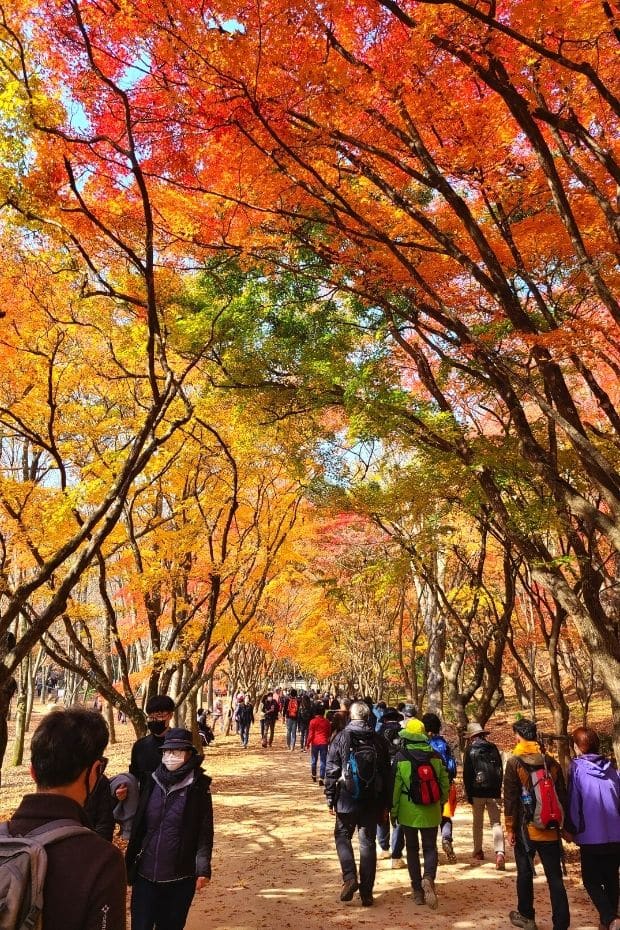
[
  {"x": 534, "y": 805},
  {"x": 319, "y": 732},
  {"x": 85, "y": 883},
  {"x": 169, "y": 852},
  {"x": 594, "y": 820},
  {"x": 290, "y": 711},
  {"x": 432, "y": 725},
  {"x": 482, "y": 781},
  {"x": 304, "y": 716},
  {"x": 357, "y": 791},
  {"x": 421, "y": 788},
  {"x": 244, "y": 718},
  {"x": 270, "y": 709},
  {"x": 390, "y": 726}
]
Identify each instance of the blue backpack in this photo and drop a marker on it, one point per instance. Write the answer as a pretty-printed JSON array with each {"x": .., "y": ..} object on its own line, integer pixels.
[{"x": 447, "y": 757}]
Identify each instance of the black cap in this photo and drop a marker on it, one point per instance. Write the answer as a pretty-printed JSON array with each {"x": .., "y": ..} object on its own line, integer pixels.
[{"x": 177, "y": 738}]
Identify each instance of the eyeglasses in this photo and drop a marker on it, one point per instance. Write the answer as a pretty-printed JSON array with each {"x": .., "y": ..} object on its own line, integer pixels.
[{"x": 162, "y": 715}]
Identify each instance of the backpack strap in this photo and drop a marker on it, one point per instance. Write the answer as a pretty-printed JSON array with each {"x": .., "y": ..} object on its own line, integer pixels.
[{"x": 48, "y": 833}]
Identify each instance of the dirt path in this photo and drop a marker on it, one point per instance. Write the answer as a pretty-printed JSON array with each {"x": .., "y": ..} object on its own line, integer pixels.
[{"x": 275, "y": 863}]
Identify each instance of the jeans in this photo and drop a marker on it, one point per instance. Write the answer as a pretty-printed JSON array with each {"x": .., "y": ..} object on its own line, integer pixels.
[
  {"x": 161, "y": 905},
  {"x": 549, "y": 854},
  {"x": 366, "y": 825},
  {"x": 244, "y": 734},
  {"x": 429, "y": 854},
  {"x": 303, "y": 732},
  {"x": 291, "y": 732},
  {"x": 398, "y": 838},
  {"x": 599, "y": 873},
  {"x": 318, "y": 754},
  {"x": 269, "y": 726},
  {"x": 491, "y": 805}
]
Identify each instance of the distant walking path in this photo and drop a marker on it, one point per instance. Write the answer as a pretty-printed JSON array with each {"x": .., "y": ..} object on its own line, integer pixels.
[{"x": 275, "y": 865}]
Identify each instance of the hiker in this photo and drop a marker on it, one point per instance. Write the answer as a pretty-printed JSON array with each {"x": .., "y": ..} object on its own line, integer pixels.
[
  {"x": 218, "y": 714},
  {"x": 432, "y": 725},
  {"x": 390, "y": 726},
  {"x": 290, "y": 711},
  {"x": 421, "y": 788},
  {"x": 99, "y": 806},
  {"x": 146, "y": 752},
  {"x": 319, "y": 732},
  {"x": 169, "y": 851},
  {"x": 270, "y": 711},
  {"x": 482, "y": 781},
  {"x": 534, "y": 802},
  {"x": 304, "y": 716},
  {"x": 244, "y": 718},
  {"x": 357, "y": 792},
  {"x": 594, "y": 813},
  {"x": 85, "y": 883}
]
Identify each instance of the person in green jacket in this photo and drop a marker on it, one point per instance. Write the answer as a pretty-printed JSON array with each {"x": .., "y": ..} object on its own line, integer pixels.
[{"x": 421, "y": 788}]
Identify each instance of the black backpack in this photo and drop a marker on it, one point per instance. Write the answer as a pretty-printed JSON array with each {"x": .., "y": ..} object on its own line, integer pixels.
[
  {"x": 360, "y": 772},
  {"x": 484, "y": 765}
]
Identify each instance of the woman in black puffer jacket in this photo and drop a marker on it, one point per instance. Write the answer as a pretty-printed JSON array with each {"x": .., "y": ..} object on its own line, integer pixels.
[{"x": 169, "y": 852}]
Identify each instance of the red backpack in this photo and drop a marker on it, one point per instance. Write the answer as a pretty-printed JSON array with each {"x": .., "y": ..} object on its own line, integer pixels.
[
  {"x": 292, "y": 707},
  {"x": 424, "y": 785},
  {"x": 542, "y": 808}
]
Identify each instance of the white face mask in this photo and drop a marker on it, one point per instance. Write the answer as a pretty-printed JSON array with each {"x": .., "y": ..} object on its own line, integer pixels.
[{"x": 173, "y": 759}]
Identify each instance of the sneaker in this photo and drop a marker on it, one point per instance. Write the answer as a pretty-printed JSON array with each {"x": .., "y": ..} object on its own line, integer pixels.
[
  {"x": 367, "y": 898},
  {"x": 398, "y": 864},
  {"x": 418, "y": 896},
  {"x": 384, "y": 854},
  {"x": 448, "y": 848},
  {"x": 478, "y": 856},
  {"x": 430, "y": 898},
  {"x": 313, "y": 777},
  {"x": 348, "y": 890},
  {"x": 518, "y": 920},
  {"x": 321, "y": 782},
  {"x": 500, "y": 862}
]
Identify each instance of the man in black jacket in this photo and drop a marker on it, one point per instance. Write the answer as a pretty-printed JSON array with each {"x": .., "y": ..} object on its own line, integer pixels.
[
  {"x": 358, "y": 801},
  {"x": 146, "y": 752},
  {"x": 482, "y": 779},
  {"x": 85, "y": 883}
]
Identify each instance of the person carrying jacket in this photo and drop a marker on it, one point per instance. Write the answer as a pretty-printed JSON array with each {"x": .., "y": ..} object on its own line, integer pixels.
[
  {"x": 146, "y": 751},
  {"x": 594, "y": 816},
  {"x": 416, "y": 817},
  {"x": 482, "y": 781},
  {"x": 169, "y": 852},
  {"x": 529, "y": 839},
  {"x": 357, "y": 813},
  {"x": 432, "y": 725}
]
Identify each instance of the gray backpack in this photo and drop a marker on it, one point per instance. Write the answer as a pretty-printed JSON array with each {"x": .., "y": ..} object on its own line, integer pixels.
[{"x": 23, "y": 864}]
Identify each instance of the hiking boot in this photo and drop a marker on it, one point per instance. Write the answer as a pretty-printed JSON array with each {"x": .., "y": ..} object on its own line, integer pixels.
[
  {"x": 367, "y": 898},
  {"x": 348, "y": 889},
  {"x": 478, "y": 856},
  {"x": 428, "y": 888},
  {"x": 398, "y": 864},
  {"x": 500, "y": 862},
  {"x": 518, "y": 920},
  {"x": 448, "y": 848},
  {"x": 418, "y": 897},
  {"x": 321, "y": 782},
  {"x": 384, "y": 854},
  {"x": 313, "y": 777}
]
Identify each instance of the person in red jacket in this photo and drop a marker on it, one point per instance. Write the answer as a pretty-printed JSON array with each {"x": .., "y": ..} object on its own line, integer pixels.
[{"x": 318, "y": 740}]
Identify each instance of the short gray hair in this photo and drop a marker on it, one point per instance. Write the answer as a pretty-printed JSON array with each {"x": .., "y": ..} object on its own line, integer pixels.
[{"x": 359, "y": 711}]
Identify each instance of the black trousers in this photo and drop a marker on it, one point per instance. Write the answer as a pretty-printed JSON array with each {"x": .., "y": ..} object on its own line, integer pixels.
[
  {"x": 550, "y": 857},
  {"x": 429, "y": 854},
  {"x": 600, "y": 868},
  {"x": 366, "y": 826},
  {"x": 161, "y": 905}
]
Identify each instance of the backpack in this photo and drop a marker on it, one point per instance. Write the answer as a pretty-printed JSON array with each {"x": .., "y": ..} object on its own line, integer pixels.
[
  {"x": 360, "y": 772},
  {"x": 23, "y": 865},
  {"x": 292, "y": 707},
  {"x": 442, "y": 748},
  {"x": 484, "y": 764},
  {"x": 424, "y": 785},
  {"x": 539, "y": 798}
]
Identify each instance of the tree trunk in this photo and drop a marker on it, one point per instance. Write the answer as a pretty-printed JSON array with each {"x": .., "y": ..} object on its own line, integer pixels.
[{"x": 20, "y": 729}]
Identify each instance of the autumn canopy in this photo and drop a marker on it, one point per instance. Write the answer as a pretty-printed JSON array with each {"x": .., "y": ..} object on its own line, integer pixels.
[{"x": 312, "y": 304}]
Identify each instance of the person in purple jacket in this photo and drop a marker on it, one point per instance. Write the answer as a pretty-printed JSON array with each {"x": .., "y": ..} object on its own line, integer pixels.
[{"x": 594, "y": 813}]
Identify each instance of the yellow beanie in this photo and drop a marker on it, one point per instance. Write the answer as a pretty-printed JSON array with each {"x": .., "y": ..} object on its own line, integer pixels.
[{"x": 415, "y": 727}]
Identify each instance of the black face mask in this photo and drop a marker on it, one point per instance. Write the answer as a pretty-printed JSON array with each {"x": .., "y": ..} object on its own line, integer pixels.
[{"x": 156, "y": 727}]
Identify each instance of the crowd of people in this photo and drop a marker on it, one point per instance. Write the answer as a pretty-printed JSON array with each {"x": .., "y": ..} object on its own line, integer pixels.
[{"x": 388, "y": 775}]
